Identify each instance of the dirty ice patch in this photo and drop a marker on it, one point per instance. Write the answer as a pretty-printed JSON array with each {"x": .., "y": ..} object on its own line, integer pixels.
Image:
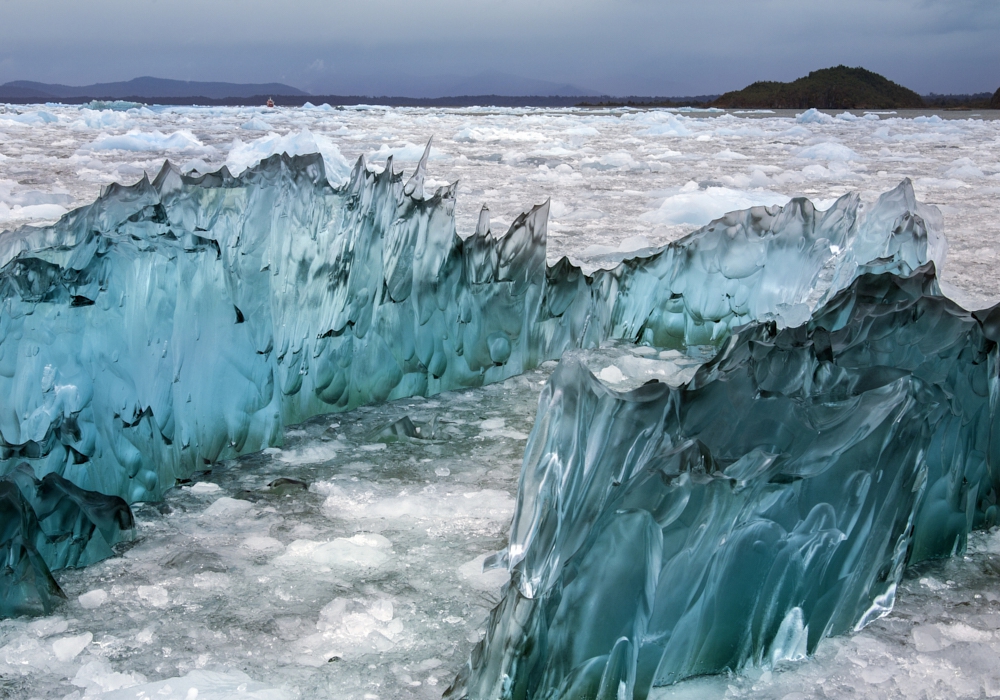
[
  {"x": 698, "y": 206},
  {"x": 246, "y": 155},
  {"x": 144, "y": 141}
]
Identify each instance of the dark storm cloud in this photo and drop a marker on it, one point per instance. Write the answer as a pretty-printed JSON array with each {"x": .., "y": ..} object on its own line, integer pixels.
[{"x": 389, "y": 46}]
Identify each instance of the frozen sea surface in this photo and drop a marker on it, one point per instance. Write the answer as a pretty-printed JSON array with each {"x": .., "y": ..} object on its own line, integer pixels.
[{"x": 360, "y": 576}]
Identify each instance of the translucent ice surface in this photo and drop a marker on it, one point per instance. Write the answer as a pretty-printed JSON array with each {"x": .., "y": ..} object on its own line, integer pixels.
[{"x": 773, "y": 500}]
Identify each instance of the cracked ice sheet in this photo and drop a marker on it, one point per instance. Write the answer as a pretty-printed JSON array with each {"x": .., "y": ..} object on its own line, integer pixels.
[{"x": 620, "y": 180}]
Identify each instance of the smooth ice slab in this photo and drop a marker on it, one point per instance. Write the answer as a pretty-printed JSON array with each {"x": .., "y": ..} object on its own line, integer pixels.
[{"x": 774, "y": 500}]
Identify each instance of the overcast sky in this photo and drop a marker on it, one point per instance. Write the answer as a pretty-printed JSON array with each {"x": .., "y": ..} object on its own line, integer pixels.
[{"x": 618, "y": 47}]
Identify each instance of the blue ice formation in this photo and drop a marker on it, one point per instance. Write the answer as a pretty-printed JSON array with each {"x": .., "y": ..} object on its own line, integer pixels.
[
  {"x": 774, "y": 500},
  {"x": 185, "y": 320},
  {"x": 50, "y": 524}
]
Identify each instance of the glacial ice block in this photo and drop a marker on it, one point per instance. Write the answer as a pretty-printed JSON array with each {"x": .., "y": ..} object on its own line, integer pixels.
[
  {"x": 772, "y": 501},
  {"x": 188, "y": 319}
]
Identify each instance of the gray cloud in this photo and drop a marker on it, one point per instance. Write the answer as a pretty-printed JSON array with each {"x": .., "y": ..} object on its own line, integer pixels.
[{"x": 392, "y": 46}]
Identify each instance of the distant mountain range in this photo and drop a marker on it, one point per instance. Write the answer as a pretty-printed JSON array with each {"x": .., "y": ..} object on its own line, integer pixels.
[
  {"x": 830, "y": 88},
  {"x": 144, "y": 87}
]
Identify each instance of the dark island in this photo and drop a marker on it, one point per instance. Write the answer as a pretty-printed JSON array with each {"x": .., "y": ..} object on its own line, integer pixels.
[{"x": 830, "y": 88}]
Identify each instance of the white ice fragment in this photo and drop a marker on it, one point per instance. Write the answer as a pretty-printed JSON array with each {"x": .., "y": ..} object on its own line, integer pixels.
[
  {"x": 611, "y": 374},
  {"x": 932, "y": 583},
  {"x": 154, "y": 595},
  {"x": 93, "y": 599},
  {"x": 227, "y": 507},
  {"x": 255, "y": 124},
  {"x": 694, "y": 205},
  {"x": 363, "y": 551},
  {"x": 961, "y": 632},
  {"x": 48, "y": 626},
  {"x": 34, "y": 212},
  {"x": 875, "y": 675},
  {"x": 204, "y": 487},
  {"x": 493, "y": 424},
  {"x": 68, "y": 648},
  {"x": 442, "y": 471},
  {"x": 137, "y": 140},
  {"x": 926, "y": 638},
  {"x": 381, "y": 610},
  {"x": 790, "y": 640},
  {"x": 246, "y": 155},
  {"x": 829, "y": 152},
  {"x": 311, "y": 454},
  {"x": 407, "y": 152},
  {"x": 814, "y": 116},
  {"x": 98, "y": 677}
]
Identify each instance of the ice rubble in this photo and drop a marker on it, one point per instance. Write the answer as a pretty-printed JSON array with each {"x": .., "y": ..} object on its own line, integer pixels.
[
  {"x": 773, "y": 500},
  {"x": 185, "y": 320}
]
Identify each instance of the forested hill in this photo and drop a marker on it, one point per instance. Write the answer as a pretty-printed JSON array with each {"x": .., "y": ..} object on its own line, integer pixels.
[{"x": 829, "y": 88}]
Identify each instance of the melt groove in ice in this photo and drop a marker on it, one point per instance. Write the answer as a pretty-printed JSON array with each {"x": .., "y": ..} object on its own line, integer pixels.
[{"x": 184, "y": 320}]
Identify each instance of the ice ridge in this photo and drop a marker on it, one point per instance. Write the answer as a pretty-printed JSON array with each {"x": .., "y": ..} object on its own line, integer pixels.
[
  {"x": 772, "y": 501},
  {"x": 188, "y": 319}
]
